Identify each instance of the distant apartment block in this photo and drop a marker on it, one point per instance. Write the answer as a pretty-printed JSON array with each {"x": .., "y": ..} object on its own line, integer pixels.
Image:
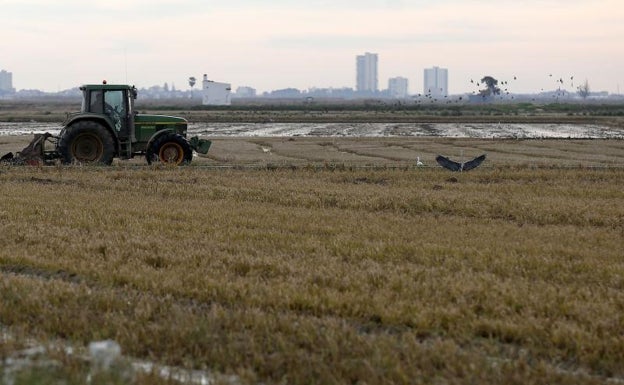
[
  {"x": 436, "y": 82},
  {"x": 397, "y": 87},
  {"x": 6, "y": 81},
  {"x": 215, "y": 93},
  {"x": 366, "y": 67}
]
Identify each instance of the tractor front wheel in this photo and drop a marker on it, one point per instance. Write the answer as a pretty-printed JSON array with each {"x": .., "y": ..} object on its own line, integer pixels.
[
  {"x": 86, "y": 142},
  {"x": 170, "y": 149}
]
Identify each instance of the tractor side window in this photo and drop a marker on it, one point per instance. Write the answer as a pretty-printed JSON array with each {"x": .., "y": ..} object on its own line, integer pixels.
[{"x": 97, "y": 102}]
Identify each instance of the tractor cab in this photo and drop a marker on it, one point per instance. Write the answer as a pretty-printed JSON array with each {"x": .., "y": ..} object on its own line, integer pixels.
[{"x": 115, "y": 103}]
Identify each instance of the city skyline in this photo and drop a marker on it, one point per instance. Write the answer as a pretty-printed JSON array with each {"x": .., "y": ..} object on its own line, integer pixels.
[{"x": 278, "y": 44}]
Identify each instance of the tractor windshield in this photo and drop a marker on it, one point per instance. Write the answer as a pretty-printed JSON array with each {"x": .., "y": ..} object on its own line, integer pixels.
[{"x": 114, "y": 106}]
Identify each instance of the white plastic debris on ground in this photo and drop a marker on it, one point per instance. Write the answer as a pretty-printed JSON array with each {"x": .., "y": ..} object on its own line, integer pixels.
[{"x": 102, "y": 356}]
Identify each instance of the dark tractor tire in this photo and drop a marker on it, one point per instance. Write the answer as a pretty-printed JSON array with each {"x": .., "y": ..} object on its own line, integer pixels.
[
  {"x": 170, "y": 148},
  {"x": 87, "y": 142}
]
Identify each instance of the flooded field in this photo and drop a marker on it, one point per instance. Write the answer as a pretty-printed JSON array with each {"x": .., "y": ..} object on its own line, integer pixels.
[
  {"x": 447, "y": 130},
  {"x": 384, "y": 144}
]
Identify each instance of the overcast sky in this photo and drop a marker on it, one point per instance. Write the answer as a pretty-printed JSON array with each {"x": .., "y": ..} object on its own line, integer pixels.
[{"x": 273, "y": 44}]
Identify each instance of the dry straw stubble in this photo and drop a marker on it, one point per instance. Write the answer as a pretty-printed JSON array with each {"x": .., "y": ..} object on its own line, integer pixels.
[{"x": 308, "y": 275}]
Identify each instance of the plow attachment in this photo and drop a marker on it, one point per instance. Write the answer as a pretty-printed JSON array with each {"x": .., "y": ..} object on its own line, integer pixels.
[{"x": 35, "y": 153}]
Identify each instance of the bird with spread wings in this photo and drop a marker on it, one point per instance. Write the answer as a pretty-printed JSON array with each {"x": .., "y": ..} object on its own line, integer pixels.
[{"x": 456, "y": 166}]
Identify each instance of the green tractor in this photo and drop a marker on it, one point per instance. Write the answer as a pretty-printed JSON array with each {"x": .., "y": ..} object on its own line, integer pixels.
[{"x": 108, "y": 127}]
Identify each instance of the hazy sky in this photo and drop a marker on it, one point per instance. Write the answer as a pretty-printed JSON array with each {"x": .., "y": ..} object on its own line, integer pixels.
[{"x": 273, "y": 44}]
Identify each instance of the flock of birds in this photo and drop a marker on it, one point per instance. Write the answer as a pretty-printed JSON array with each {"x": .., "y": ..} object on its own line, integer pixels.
[
  {"x": 491, "y": 88},
  {"x": 491, "y": 85}
]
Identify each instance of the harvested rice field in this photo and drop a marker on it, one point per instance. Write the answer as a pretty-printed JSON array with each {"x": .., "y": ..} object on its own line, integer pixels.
[{"x": 319, "y": 260}]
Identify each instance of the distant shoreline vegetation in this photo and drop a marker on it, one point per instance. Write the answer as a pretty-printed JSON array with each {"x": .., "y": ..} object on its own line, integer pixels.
[{"x": 288, "y": 111}]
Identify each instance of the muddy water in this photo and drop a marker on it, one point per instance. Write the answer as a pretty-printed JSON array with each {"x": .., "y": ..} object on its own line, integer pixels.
[{"x": 448, "y": 130}]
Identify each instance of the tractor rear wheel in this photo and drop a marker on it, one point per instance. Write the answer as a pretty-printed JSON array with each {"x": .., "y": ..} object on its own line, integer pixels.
[
  {"x": 87, "y": 142},
  {"x": 171, "y": 149}
]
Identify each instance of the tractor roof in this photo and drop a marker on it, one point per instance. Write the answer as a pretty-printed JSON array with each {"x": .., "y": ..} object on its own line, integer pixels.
[{"x": 106, "y": 87}]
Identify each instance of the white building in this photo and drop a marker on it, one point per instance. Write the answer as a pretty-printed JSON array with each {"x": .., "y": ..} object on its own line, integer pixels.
[
  {"x": 215, "y": 93},
  {"x": 436, "y": 82},
  {"x": 6, "y": 81},
  {"x": 366, "y": 79},
  {"x": 397, "y": 87}
]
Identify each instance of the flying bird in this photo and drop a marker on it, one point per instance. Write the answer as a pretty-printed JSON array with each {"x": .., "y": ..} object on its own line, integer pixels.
[{"x": 456, "y": 166}]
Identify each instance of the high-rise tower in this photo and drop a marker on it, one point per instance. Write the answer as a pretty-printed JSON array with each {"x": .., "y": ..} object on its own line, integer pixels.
[
  {"x": 397, "y": 87},
  {"x": 6, "y": 81},
  {"x": 436, "y": 81},
  {"x": 366, "y": 66}
]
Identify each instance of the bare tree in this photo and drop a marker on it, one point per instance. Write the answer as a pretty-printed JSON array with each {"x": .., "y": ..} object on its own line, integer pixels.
[
  {"x": 491, "y": 89},
  {"x": 583, "y": 90}
]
